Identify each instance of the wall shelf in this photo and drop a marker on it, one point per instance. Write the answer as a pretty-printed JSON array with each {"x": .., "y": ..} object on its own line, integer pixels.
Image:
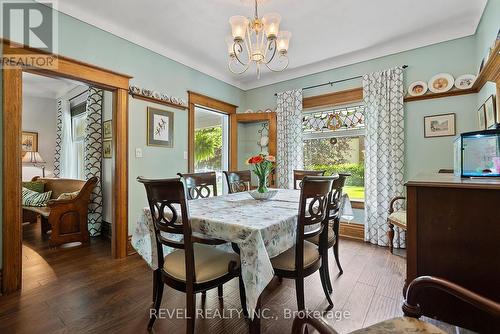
[
  {"x": 489, "y": 72},
  {"x": 158, "y": 101},
  {"x": 428, "y": 96}
]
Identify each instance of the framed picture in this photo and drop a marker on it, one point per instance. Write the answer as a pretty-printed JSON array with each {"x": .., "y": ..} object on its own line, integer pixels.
[
  {"x": 160, "y": 127},
  {"x": 107, "y": 129},
  {"x": 481, "y": 118},
  {"x": 490, "y": 112},
  {"x": 29, "y": 141},
  {"x": 439, "y": 125},
  {"x": 107, "y": 149}
]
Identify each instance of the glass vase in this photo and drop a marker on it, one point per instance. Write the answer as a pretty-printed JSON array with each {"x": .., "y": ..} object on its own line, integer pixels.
[{"x": 263, "y": 184}]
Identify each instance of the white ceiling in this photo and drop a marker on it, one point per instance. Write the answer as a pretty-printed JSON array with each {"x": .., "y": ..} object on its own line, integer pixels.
[
  {"x": 326, "y": 33},
  {"x": 46, "y": 87}
]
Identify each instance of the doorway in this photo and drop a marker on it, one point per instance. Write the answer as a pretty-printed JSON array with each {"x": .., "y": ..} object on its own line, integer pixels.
[
  {"x": 211, "y": 143},
  {"x": 12, "y": 152}
]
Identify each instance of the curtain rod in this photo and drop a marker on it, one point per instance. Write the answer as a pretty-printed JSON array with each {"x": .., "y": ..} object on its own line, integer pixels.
[{"x": 330, "y": 83}]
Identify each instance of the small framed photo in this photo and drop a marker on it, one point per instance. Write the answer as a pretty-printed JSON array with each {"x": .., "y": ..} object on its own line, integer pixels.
[
  {"x": 440, "y": 125},
  {"x": 490, "y": 112},
  {"x": 29, "y": 141},
  {"x": 107, "y": 149},
  {"x": 160, "y": 127},
  {"x": 107, "y": 129},
  {"x": 481, "y": 118}
]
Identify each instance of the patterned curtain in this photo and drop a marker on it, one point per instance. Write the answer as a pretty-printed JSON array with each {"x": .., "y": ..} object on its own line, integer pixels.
[
  {"x": 290, "y": 153},
  {"x": 93, "y": 157},
  {"x": 384, "y": 156},
  {"x": 59, "y": 137}
]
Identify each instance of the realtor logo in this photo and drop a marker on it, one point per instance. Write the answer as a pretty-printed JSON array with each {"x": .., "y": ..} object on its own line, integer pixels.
[{"x": 29, "y": 24}]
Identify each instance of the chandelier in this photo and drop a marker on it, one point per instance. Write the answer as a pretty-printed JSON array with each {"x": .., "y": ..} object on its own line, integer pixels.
[{"x": 257, "y": 41}]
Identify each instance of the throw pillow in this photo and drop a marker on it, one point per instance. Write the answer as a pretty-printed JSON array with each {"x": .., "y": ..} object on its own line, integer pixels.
[
  {"x": 66, "y": 196},
  {"x": 32, "y": 198},
  {"x": 37, "y": 186}
]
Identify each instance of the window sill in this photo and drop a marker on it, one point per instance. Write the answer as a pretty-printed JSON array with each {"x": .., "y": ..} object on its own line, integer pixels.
[{"x": 357, "y": 203}]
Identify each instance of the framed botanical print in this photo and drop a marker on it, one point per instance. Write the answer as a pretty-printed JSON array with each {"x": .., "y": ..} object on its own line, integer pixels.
[
  {"x": 160, "y": 127},
  {"x": 439, "y": 125},
  {"x": 490, "y": 112},
  {"x": 481, "y": 118},
  {"x": 29, "y": 141},
  {"x": 107, "y": 129},
  {"x": 107, "y": 150}
]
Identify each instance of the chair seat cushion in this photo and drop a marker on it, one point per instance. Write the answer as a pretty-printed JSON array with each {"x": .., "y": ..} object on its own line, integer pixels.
[
  {"x": 42, "y": 210},
  {"x": 398, "y": 218},
  {"x": 331, "y": 238},
  {"x": 401, "y": 325},
  {"x": 286, "y": 260},
  {"x": 210, "y": 263}
]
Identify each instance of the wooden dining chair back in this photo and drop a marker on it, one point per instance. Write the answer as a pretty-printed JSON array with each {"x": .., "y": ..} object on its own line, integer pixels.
[
  {"x": 305, "y": 258},
  {"x": 195, "y": 266},
  {"x": 298, "y": 176},
  {"x": 200, "y": 185},
  {"x": 238, "y": 181}
]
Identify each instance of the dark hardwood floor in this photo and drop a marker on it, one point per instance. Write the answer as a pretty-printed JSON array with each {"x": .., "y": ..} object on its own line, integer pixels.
[{"x": 83, "y": 290}]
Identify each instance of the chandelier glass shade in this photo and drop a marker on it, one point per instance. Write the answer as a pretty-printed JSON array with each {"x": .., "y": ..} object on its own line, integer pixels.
[{"x": 257, "y": 41}]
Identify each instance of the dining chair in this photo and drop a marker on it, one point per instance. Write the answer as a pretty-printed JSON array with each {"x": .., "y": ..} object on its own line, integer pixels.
[
  {"x": 305, "y": 258},
  {"x": 200, "y": 185},
  {"x": 335, "y": 213},
  {"x": 238, "y": 181},
  {"x": 298, "y": 176},
  {"x": 412, "y": 309},
  {"x": 195, "y": 265},
  {"x": 395, "y": 218}
]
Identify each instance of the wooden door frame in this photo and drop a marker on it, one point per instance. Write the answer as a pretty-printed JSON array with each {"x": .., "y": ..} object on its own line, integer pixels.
[
  {"x": 12, "y": 174},
  {"x": 196, "y": 99},
  {"x": 252, "y": 118}
]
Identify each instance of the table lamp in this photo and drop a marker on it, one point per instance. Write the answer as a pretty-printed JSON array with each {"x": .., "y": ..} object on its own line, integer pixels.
[{"x": 34, "y": 159}]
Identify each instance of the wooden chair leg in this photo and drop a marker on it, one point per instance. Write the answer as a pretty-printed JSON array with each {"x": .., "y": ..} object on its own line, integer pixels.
[
  {"x": 299, "y": 290},
  {"x": 322, "y": 274},
  {"x": 158, "y": 296},
  {"x": 243, "y": 297},
  {"x": 220, "y": 291},
  {"x": 390, "y": 234},
  {"x": 156, "y": 278},
  {"x": 336, "y": 248},
  {"x": 190, "y": 311}
]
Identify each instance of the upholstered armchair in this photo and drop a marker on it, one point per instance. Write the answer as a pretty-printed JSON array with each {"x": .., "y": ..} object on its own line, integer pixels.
[
  {"x": 410, "y": 323},
  {"x": 396, "y": 218}
]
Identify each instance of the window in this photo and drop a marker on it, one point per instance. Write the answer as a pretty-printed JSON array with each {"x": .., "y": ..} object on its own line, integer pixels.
[
  {"x": 78, "y": 125},
  {"x": 334, "y": 141},
  {"x": 211, "y": 142}
]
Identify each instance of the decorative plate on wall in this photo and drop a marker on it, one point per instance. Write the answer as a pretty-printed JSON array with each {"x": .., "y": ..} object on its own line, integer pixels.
[
  {"x": 441, "y": 83},
  {"x": 417, "y": 88},
  {"x": 465, "y": 81}
]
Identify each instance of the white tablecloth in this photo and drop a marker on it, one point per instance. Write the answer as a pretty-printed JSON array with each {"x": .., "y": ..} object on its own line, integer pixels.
[{"x": 261, "y": 229}]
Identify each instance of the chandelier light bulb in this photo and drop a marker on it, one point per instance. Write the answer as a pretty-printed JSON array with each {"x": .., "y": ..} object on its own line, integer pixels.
[
  {"x": 284, "y": 41},
  {"x": 239, "y": 26},
  {"x": 271, "y": 25}
]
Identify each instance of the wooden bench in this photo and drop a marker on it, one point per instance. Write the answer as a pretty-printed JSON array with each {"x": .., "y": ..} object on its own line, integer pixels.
[{"x": 66, "y": 218}]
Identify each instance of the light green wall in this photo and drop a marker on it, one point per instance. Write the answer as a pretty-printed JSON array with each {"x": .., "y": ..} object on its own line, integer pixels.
[{"x": 455, "y": 57}]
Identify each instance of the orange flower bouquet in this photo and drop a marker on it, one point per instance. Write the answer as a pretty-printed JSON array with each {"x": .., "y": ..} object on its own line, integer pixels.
[{"x": 262, "y": 166}]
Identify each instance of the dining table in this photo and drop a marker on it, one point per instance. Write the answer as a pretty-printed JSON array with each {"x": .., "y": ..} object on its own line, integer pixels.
[{"x": 261, "y": 230}]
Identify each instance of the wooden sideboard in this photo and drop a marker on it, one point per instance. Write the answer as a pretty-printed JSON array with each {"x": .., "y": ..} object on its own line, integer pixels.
[{"x": 454, "y": 233}]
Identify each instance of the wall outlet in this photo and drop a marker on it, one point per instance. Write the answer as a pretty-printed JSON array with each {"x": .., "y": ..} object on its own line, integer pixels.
[
  {"x": 185, "y": 155},
  {"x": 138, "y": 152}
]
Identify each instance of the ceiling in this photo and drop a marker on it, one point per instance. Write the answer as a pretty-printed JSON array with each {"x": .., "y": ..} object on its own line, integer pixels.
[
  {"x": 46, "y": 87},
  {"x": 326, "y": 33}
]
